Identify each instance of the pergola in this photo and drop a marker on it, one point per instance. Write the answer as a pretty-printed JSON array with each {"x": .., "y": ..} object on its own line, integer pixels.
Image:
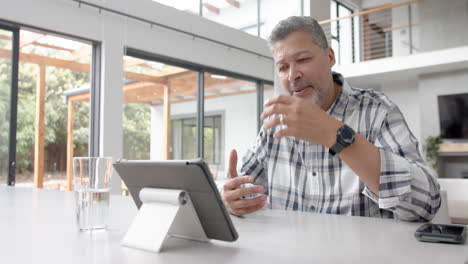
[{"x": 157, "y": 86}]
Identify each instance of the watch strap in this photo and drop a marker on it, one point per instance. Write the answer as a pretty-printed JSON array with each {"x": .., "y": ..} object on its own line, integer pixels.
[
  {"x": 341, "y": 143},
  {"x": 337, "y": 148}
]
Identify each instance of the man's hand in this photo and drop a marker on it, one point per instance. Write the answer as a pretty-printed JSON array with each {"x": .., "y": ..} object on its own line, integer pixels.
[
  {"x": 233, "y": 194},
  {"x": 307, "y": 121},
  {"x": 303, "y": 120}
]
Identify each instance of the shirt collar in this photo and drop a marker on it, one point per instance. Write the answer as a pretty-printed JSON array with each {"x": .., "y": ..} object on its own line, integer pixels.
[{"x": 338, "y": 107}]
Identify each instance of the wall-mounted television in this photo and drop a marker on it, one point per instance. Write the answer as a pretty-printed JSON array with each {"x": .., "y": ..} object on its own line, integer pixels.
[{"x": 453, "y": 116}]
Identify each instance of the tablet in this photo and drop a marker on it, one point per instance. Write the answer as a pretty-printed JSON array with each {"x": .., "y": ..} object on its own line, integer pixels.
[{"x": 192, "y": 176}]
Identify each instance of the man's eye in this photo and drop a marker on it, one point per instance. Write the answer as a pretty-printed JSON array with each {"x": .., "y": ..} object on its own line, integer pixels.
[
  {"x": 283, "y": 68},
  {"x": 303, "y": 59}
]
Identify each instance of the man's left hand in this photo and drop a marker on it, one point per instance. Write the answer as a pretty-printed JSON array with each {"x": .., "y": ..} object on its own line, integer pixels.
[{"x": 302, "y": 119}]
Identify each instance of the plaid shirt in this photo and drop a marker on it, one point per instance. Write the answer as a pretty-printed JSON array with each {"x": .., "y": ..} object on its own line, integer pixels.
[{"x": 301, "y": 175}]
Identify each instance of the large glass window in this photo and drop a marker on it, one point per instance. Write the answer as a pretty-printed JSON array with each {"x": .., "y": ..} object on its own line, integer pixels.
[
  {"x": 273, "y": 11},
  {"x": 5, "y": 105},
  {"x": 243, "y": 14},
  {"x": 343, "y": 33},
  {"x": 191, "y": 6},
  {"x": 161, "y": 119},
  {"x": 229, "y": 12},
  {"x": 184, "y": 133},
  {"x": 155, "y": 93},
  {"x": 236, "y": 100},
  {"x": 53, "y": 108},
  {"x": 377, "y": 36}
]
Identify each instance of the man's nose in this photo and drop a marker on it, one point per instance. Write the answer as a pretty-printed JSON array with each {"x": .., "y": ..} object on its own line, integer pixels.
[{"x": 294, "y": 74}]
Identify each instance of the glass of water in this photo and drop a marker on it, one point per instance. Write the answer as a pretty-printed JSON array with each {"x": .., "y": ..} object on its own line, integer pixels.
[{"x": 91, "y": 178}]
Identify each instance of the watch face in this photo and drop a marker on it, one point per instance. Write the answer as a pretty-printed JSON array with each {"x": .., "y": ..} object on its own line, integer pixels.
[{"x": 347, "y": 134}]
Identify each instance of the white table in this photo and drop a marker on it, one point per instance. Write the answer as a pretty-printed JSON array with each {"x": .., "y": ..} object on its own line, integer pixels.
[{"x": 38, "y": 226}]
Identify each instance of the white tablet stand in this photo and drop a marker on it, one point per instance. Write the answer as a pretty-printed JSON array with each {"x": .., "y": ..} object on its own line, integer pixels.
[{"x": 164, "y": 213}]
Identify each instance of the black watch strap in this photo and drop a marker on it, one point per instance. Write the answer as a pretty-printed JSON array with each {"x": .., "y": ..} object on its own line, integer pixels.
[
  {"x": 345, "y": 136},
  {"x": 337, "y": 148}
]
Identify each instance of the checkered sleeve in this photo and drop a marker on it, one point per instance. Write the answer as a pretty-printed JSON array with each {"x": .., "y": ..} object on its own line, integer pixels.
[
  {"x": 254, "y": 162},
  {"x": 408, "y": 187}
]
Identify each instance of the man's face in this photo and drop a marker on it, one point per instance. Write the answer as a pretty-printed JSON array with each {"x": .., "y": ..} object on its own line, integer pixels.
[{"x": 304, "y": 69}]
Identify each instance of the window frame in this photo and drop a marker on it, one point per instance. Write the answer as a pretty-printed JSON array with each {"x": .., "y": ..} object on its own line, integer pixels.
[
  {"x": 201, "y": 70},
  {"x": 14, "y": 29},
  {"x": 95, "y": 90},
  {"x": 221, "y": 114},
  {"x": 337, "y": 37}
]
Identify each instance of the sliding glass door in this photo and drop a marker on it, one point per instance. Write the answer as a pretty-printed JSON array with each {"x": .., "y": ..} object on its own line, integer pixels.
[
  {"x": 8, "y": 102},
  {"x": 45, "y": 92}
]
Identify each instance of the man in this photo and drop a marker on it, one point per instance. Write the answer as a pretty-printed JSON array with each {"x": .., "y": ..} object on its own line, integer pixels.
[{"x": 327, "y": 147}]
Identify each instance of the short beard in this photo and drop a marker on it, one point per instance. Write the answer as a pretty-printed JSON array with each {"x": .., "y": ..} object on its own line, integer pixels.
[{"x": 318, "y": 95}]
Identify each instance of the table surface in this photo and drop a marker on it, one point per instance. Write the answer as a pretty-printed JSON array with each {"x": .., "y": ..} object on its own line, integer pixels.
[{"x": 38, "y": 226}]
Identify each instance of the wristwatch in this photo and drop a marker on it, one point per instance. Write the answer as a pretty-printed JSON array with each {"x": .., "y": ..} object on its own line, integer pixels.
[{"x": 345, "y": 136}]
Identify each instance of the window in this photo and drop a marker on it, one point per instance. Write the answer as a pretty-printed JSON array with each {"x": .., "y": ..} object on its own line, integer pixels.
[
  {"x": 237, "y": 99},
  {"x": 191, "y": 6},
  {"x": 53, "y": 108},
  {"x": 273, "y": 11},
  {"x": 153, "y": 92},
  {"x": 162, "y": 119},
  {"x": 343, "y": 33},
  {"x": 377, "y": 35},
  {"x": 229, "y": 12},
  {"x": 258, "y": 17},
  {"x": 6, "y": 47},
  {"x": 184, "y": 133}
]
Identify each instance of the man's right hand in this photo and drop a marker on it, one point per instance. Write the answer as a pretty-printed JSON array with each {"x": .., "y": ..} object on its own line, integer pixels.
[{"x": 234, "y": 193}]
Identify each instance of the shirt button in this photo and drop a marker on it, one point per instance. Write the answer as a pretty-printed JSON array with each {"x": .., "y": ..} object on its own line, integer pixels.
[{"x": 314, "y": 173}]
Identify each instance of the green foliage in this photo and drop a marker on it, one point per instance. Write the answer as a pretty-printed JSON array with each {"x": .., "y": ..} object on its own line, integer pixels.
[
  {"x": 136, "y": 130},
  {"x": 5, "y": 66},
  {"x": 26, "y": 116},
  {"x": 58, "y": 80},
  {"x": 432, "y": 150}
]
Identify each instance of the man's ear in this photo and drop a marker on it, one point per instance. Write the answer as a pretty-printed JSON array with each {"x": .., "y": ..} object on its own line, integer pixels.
[{"x": 331, "y": 57}]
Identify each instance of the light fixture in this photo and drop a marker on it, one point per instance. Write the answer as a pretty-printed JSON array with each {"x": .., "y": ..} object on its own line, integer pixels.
[{"x": 214, "y": 76}]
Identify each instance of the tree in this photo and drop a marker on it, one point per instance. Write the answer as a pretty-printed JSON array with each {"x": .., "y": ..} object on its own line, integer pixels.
[
  {"x": 58, "y": 80},
  {"x": 136, "y": 130},
  {"x": 5, "y": 80},
  {"x": 136, "y": 125}
]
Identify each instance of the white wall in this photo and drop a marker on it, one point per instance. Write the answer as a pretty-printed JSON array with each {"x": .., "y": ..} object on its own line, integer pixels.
[
  {"x": 417, "y": 99},
  {"x": 115, "y": 32},
  {"x": 443, "y": 24},
  {"x": 433, "y": 85},
  {"x": 430, "y": 87},
  {"x": 437, "y": 25},
  {"x": 366, "y": 4},
  {"x": 319, "y": 9}
]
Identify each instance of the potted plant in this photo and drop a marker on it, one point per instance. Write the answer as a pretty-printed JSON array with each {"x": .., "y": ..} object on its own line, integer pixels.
[{"x": 432, "y": 150}]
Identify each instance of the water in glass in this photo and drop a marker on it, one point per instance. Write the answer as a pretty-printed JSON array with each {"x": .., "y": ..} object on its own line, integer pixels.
[{"x": 92, "y": 210}]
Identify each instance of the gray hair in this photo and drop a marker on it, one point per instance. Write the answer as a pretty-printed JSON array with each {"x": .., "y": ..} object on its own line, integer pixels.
[{"x": 295, "y": 24}]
